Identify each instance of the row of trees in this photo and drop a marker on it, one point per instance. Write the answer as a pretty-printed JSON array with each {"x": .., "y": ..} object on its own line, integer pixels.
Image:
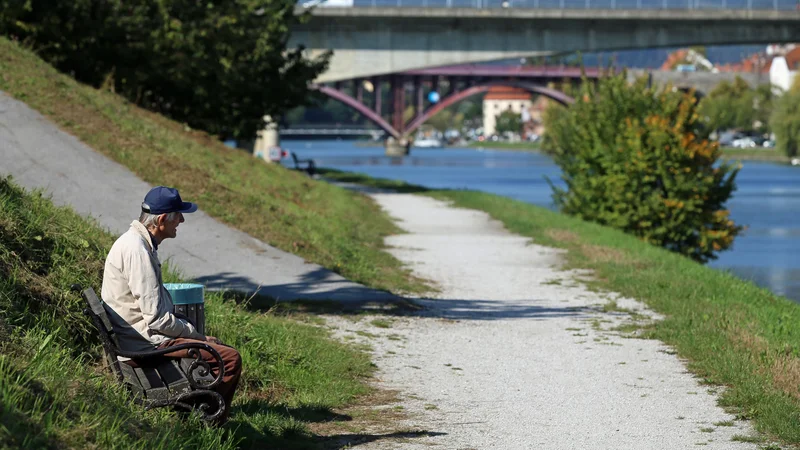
[
  {"x": 738, "y": 106},
  {"x": 761, "y": 109},
  {"x": 217, "y": 66}
]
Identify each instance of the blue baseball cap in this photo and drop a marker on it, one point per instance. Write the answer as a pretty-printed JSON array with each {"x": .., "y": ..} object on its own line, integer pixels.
[{"x": 162, "y": 200}]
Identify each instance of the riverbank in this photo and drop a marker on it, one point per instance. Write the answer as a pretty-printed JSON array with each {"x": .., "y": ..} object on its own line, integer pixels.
[
  {"x": 756, "y": 154},
  {"x": 732, "y": 333},
  {"x": 501, "y": 145}
]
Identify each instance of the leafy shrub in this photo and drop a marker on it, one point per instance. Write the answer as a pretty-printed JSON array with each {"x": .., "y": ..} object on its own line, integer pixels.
[{"x": 632, "y": 159}]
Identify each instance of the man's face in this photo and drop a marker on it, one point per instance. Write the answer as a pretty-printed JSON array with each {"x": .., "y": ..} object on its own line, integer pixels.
[{"x": 169, "y": 228}]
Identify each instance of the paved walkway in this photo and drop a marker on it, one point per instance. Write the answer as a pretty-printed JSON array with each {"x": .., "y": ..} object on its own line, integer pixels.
[
  {"x": 39, "y": 155},
  {"x": 517, "y": 354}
]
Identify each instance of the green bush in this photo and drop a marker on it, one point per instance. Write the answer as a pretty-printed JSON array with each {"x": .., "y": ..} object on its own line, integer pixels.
[{"x": 632, "y": 159}]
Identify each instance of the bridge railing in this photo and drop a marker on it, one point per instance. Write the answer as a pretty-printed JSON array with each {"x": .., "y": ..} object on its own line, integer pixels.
[{"x": 783, "y": 5}]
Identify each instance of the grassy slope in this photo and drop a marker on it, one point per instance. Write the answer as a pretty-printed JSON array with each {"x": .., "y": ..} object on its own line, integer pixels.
[
  {"x": 335, "y": 228},
  {"x": 733, "y": 333},
  {"x": 55, "y": 394}
]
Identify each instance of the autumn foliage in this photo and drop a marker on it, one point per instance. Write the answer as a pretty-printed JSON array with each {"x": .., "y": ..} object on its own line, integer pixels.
[{"x": 633, "y": 158}]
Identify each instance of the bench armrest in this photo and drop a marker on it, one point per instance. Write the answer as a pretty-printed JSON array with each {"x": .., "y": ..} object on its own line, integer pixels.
[{"x": 194, "y": 352}]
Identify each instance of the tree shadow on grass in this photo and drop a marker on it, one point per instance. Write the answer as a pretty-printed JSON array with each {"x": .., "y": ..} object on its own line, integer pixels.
[
  {"x": 262, "y": 435},
  {"x": 305, "y": 413}
]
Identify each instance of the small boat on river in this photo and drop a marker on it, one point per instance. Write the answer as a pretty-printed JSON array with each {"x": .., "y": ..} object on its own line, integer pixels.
[{"x": 428, "y": 143}]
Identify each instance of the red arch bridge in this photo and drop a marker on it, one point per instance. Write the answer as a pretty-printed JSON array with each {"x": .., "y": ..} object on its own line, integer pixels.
[{"x": 369, "y": 95}]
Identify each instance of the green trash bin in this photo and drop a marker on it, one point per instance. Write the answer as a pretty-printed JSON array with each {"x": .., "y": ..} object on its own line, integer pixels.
[{"x": 188, "y": 301}]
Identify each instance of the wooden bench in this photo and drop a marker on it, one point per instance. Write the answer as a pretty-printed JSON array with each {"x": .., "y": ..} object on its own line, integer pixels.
[
  {"x": 155, "y": 380},
  {"x": 306, "y": 165}
]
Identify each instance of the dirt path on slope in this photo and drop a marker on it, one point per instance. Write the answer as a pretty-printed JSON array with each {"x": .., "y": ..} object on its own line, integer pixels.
[{"x": 514, "y": 353}]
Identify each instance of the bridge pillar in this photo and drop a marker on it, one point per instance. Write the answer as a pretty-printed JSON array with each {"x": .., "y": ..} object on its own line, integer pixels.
[
  {"x": 266, "y": 139},
  {"x": 397, "y": 148}
]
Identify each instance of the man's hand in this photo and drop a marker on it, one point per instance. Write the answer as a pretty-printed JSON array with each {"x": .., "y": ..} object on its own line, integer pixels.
[{"x": 214, "y": 340}]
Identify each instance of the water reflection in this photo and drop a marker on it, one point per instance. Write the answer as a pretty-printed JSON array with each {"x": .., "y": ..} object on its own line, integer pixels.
[{"x": 767, "y": 200}]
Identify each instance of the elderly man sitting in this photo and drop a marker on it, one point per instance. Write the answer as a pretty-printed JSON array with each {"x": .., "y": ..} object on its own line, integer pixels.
[{"x": 133, "y": 289}]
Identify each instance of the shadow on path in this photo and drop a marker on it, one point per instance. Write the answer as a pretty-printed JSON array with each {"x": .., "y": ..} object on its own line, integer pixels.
[
  {"x": 314, "y": 285},
  {"x": 353, "y": 440}
]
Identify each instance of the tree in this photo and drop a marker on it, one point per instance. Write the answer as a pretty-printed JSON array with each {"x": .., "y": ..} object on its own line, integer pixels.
[
  {"x": 508, "y": 122},
  {"x": 446, "y": 119},
  {"x": 217, "y": 66},
  {"x": 632, "y": 159},
  {"x": 737, "y": 105},
  {"x": 785, "y": 121}
]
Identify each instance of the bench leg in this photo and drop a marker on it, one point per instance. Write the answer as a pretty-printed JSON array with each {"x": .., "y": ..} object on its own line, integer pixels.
[{"x": 209, "y": 404}]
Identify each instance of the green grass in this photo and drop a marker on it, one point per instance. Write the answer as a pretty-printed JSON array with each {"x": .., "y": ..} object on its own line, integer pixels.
[
  {"x": 524, "y": 146},
  {"x": 754, "y": 154},
  {"x": 54, "y": 392},
  {"x": 338, "y": 229},
  {"x": 732, "y": 332}
]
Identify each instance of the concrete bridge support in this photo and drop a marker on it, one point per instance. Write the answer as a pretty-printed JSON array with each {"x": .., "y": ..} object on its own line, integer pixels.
[
  {"x": 266, "y": 139},
  {"x": 395, "y": 147}
]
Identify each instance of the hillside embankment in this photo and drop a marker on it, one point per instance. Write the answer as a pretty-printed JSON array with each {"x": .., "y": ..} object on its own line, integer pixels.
[
  {"x": 332, "y": 227},
  {"x": 55, "y": 392}
]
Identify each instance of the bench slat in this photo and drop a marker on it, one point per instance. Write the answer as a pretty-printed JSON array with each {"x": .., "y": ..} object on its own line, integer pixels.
[
  {"x": 130, "y": 378},
  {"x": 154, "y": 388},
  {"x": 173, "y": 377}
]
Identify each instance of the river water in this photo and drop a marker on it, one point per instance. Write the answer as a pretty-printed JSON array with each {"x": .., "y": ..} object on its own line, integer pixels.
[{"x": 767, "y": 200}]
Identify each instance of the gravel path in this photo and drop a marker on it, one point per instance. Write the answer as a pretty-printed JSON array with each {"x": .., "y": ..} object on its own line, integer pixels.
[{"x": 517, "y": 354}]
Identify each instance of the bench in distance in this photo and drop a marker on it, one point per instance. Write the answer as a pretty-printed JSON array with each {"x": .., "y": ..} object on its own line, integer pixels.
[{"x": 306, "y": 165}]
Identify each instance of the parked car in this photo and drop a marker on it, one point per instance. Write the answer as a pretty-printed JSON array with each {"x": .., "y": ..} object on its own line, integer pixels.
[{"x": 745, "y": 142}]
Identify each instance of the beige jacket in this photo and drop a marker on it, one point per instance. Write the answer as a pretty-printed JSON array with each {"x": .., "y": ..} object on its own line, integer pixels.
[{"x": 138, "y": 305}]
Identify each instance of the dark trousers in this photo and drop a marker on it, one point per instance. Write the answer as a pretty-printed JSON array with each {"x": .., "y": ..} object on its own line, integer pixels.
[{"x": 232, "y": 362}]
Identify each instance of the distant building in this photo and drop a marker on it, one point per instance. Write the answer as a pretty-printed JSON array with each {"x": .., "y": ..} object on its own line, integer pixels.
[
  {"x": 784, "y": 68},
  {"x": 499, "y": 99},
  {"x": 687, "y": 60}
]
